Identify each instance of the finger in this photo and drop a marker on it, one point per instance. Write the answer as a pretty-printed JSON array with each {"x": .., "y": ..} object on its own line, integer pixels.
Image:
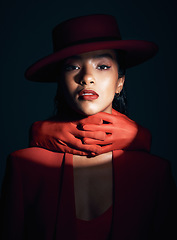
[
  {"x": 81, "y": 153},
  {"x": 104, "y": 128},
  {"x": 89, "y": 148},
  {"x": 106, "y": 117},
  {"x": 77, "y": 152},
  {"x": 113, "y": 118},
  {"x": 78, "y": 145},
  {"x": 107, "y": 148},
  {"x": 95, "y": 142},
  {"x": 94, "y": 119},
  {"x": 75, "y": 142},
  {"x": 99, "y": 135}
]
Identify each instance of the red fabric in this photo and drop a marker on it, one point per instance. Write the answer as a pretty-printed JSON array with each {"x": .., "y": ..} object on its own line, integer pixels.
[
  {"x": 95, "y": 32},
  {"x": 120, "y": 132},
  {"x": 38, "y": 196}
]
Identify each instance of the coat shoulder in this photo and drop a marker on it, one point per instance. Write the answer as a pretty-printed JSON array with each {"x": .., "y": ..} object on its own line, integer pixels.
[
  {"x": 140, "y": 158},
  {"x": 143, "y": 164},
  {"x": 36, "y": 155}
]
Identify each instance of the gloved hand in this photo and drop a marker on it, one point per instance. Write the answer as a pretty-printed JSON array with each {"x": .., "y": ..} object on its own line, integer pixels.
[
  {"x": 64, "y": 136},
  {"x": 121, "y": 133}
]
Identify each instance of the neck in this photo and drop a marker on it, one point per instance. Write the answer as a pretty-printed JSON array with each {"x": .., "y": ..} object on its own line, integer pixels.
[{"x": 65, "y": 112}]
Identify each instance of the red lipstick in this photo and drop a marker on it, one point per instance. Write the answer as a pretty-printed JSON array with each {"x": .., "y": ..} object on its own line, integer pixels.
[{"x": 88, "y": 95}]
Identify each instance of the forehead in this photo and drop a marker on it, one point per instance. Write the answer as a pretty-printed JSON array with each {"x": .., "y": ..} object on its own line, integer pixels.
[{"x": 98, "y": 54}]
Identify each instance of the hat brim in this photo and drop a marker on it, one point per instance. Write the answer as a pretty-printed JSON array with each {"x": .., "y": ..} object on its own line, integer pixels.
[{"x": 136, "y": 52}]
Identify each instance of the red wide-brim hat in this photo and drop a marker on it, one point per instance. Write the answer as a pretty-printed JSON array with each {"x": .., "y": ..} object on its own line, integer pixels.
[{"x": 85, "y": 34}]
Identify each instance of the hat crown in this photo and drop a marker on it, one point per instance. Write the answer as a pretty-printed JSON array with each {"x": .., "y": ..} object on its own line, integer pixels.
[
  {"x": 86, "y": 34},
  {"x": 85, "y": 29}
]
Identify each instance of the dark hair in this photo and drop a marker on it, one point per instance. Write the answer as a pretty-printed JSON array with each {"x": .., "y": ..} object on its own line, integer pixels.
[{"x": 119, "y": 101}]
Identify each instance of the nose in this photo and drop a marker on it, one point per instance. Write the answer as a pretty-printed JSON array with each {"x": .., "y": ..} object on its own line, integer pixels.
[{"x": 87, "y": 77}]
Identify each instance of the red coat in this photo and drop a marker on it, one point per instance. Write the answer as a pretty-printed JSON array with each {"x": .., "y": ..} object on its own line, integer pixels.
[{"x": 39, "y": 196}]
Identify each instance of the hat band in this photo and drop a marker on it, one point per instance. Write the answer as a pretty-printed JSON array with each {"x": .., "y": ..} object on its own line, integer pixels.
[{"x": 58, "y": 47}]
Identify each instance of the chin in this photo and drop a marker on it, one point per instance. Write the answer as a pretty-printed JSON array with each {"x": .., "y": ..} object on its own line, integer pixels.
[{"x": 88, "y": 111}]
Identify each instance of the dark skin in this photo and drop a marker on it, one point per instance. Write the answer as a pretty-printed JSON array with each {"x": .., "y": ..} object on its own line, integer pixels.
[
  {"x": 93, "y": 180},
  {"x": 96, "y": 71},
  {"x": 92, "y": 185}
]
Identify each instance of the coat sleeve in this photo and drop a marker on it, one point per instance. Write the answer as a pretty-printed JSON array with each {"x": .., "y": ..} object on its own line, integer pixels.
[
  {"x": 165, "y": 216},
  {"x": 12, "y": 207}
]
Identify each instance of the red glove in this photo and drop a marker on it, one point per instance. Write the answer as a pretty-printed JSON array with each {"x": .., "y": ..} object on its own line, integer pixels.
[
  {"x": 121, "y": 133},
  {"x": 63, "y": 136}
]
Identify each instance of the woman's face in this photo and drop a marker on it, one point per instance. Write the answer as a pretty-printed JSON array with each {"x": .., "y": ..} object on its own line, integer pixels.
[{"x": 90, "y": 81}]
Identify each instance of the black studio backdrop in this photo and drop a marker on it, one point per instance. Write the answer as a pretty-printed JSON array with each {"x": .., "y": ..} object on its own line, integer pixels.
[{"x": 151, "y": 87}]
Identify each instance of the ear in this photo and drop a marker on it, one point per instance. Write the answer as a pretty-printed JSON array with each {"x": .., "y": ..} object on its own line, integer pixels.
[{"x": 120, "y": 84}]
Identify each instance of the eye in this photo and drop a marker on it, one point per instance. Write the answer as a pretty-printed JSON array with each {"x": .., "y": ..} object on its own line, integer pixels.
[
  {"x": 103, "y": 67},
  {"x": 70, "y": 67}
]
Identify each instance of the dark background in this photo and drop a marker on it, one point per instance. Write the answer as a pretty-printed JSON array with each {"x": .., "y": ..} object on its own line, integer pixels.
[{"x": 25, "y": 36}]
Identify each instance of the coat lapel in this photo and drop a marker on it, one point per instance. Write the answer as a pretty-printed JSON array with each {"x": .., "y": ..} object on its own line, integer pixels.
[{"x": 66, "y": 219}]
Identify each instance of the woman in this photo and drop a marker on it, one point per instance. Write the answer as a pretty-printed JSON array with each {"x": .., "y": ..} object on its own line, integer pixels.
[{"x": 109, "y": 193}]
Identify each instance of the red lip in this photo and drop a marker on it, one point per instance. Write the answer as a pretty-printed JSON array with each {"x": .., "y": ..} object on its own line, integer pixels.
[{"x": 88, "y": 94}]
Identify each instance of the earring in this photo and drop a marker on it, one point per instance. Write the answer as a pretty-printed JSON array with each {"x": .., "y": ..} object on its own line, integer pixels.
[{"x": 117, "y": 94}]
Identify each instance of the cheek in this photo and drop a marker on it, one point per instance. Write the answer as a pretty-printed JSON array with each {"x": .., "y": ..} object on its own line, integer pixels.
[
  {"x": 68, "y": 86},
  {"x": 109, "y": 86}
]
